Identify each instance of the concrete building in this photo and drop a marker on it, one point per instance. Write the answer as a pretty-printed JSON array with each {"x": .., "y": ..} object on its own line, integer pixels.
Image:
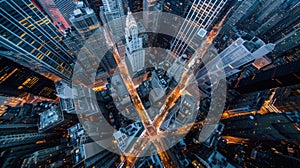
[
  {"x": 41, "y": 157},
  {"x": 280, "y": 76},
  {"x": 76, "y": 135},
  {"x": 151, "y": 161},
  {"x": 119, "y": 92},
  {"x": 183, "y": 113},
  {"x": 91, "y": 154},
  {"x": 248, "y": 102},
  {"x": 286, "y": 99},
  {"x": 241, "y": 10},
  {"x": 50, "y": 118}
]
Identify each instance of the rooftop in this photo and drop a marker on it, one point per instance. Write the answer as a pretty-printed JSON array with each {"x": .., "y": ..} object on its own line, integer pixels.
[{"x": 51, "y": 117}]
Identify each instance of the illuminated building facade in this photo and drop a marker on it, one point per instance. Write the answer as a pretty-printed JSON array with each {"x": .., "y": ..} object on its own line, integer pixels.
[
  {"x": 135, "y": 52},
  {"x": 84, "y": 20},
  {"x": 16, "y": 80},
  {"x": 30, "y": 39},
  {"x": 198, "y": 21},
  {"x": 53, "y": 12},
  {"x": 66, "y": 8}
]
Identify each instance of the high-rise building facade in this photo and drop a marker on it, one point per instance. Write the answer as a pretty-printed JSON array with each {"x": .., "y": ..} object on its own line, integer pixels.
[
  {"x": 198, "y": 21},
  {"x": 66, "y": 8},
  {"x": 150, "y": 7},
  {"x": 240, "y": 11},
  {"x": 16, "y": 80},
  {"x": 135, "y": 52},
  {"x": 54, "y": 13},
  {"x": 84, "y": 20},
  {"x": 30, "y": 39},
  {"x": 241, "y": 52},
  {"x": 112, "y": 13},
  {"x": 248, "y": 102}
]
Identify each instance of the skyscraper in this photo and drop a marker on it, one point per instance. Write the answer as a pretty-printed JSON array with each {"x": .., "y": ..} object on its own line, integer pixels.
[
  {"x": 135, "y": 52},
  {"x": 53, "y": 12},
  {"x": 16, "y": 80},
  {"x": 198, "y": 21},
  {"x": 31, "y": 40},
  {"x": 248, "y": 102},
  {"x": 149, "y": 19},
  {"x": 241, "y": 52},
  {"x": 112, "y": 13},
  {"x": 241, "y": 10},
  {"x": 66, "y": 7},
  {"x": 84, "y": 20}
]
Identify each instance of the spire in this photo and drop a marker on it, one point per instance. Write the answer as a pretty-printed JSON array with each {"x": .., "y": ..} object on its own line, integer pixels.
[{"x": 130, "y": 20}]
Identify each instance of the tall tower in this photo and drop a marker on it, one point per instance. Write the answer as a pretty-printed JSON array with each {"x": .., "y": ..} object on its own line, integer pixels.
[
  {"x": 84, "y": 20},
  {"x": 198, "y": 21},
  {"x": 54, "y": 13},
  {"x": 241, "y": 52},
  {"x": 30, "y": 39},
  {"x": 135, "y": 52},
  {"x": 112, "y": 13},
  {"x": 150, "y": 6},
  {"x": 66, "y": 7}
]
